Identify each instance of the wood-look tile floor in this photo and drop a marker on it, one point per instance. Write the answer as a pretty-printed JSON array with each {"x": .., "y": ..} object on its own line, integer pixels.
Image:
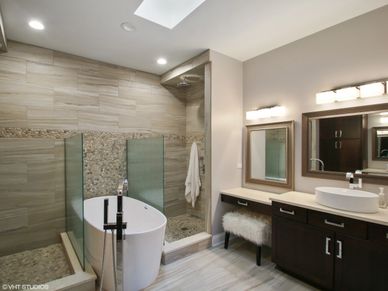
[{"x": 220, "y": 269}]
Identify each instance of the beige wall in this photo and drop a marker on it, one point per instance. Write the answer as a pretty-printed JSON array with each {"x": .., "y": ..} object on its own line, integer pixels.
[
  {"x": 41, "y": 88},
  {"x": 226, "y": 131},
  {"x": 349, "y": 53}
]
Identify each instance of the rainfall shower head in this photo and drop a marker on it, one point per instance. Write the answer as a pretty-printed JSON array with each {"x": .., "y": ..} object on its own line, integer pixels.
[
  {"x": 188, "y": 79},
  {"x": 183, "y": 83}
]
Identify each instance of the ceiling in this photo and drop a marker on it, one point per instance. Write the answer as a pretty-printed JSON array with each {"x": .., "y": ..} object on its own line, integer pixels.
[{"x": 239, "y": 29}]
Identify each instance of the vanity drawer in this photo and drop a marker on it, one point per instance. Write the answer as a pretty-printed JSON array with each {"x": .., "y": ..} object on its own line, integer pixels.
[
  {"x": 378, "y": 233},
  {"x": 250, "y": 205},
  {"x": 339, "y": 224},
  {"x": 289, "y": 211}
]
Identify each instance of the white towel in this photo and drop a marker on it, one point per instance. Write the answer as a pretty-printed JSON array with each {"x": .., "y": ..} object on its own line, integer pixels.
[{"x": 193, "y": 182}]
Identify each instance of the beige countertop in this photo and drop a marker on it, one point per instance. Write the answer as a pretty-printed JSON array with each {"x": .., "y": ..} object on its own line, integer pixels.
[
  {"x": 306, "y": 200},
  {"x": 252, "y": 195}
]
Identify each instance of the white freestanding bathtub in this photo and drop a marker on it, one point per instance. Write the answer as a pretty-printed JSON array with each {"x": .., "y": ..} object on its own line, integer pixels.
[{"x": 142, "y": 247}]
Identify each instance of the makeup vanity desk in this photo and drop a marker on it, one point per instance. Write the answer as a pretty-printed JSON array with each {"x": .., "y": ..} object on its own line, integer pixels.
[
  {"x": 254, "y": 200},
  {"x": 329, "y": 248}
]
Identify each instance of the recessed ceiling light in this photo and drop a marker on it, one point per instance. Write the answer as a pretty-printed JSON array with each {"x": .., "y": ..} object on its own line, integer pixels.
[
  {"x": 36, "y": 24},
  {"x": 127, "y": 26},
  {"x": 167, "y": 13},
  {"x": 161, "y": 61}
]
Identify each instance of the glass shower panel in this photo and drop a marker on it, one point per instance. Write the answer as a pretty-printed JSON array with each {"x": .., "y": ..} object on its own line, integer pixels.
[
  {"x": 75, "y": 194},
  {"x": 275, "y": 153},
  {"x": 145, "y": 170}
]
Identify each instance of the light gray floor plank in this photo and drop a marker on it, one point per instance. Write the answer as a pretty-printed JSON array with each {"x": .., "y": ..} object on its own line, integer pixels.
[{"x": 220, "y": 269}]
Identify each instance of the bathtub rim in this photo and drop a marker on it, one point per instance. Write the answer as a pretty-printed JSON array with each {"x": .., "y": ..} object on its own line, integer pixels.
[{"x": 125, "y": 232}]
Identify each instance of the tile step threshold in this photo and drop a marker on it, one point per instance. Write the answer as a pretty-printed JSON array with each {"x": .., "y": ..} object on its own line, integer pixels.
[{"x": 184, "y": 247}]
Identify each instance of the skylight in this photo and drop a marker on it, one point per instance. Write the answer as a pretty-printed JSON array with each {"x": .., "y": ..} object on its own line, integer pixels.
[{"x": 167, "y": 13}]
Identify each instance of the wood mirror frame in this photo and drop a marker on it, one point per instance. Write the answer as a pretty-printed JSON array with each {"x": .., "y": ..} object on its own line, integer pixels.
[
  {"x": 306, "y": 172},
  {"x": 290, "y": 150}
]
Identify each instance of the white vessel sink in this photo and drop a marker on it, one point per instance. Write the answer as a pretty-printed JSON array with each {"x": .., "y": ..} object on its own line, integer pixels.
[{"x": 347, "y": 199}]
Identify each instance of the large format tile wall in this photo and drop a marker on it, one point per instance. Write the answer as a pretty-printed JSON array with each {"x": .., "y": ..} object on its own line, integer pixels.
[
  {"x": 51, "y": 95},
  {"x": 195, "y": 132},
  {"x": 32, "y": 200}
]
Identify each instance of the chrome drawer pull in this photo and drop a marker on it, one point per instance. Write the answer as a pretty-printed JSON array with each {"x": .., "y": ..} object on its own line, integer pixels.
[
  {"x": 327, "y": 251},
  {"x": 386, "y": 235},
  {"x": 242, "y": 203},
  {"x": 339, "y": 255},
  {"x": 342, "y": 225},
  {"x": 287, "y": 211}
]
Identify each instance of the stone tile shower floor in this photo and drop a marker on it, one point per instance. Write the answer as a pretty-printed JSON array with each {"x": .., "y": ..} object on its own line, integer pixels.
[
  {"x": 33, "y": 267},
  {"x": 182, "y": 226}
]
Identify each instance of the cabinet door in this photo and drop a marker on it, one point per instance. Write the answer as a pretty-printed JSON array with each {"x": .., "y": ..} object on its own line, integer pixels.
[
  {"x": 350, "y": 155},
  {"x": 329, "y": 153},
  {"x": 303, "y": 250},
  {"x": 352, "y": 264},
  {"x": 349, "y": 127},
  {"x": 378, "y": 271},
  {"x": 328, "y": 128}
]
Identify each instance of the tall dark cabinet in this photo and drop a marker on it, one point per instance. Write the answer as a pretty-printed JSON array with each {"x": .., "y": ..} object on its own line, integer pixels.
[
  {"x": 341, "y": 143},
  {"x": 330, "y": 251}
]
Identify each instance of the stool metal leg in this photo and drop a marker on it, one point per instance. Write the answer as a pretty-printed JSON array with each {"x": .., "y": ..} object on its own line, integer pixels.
[
  {"x": 258, "y": 255},
  {"x": 227, "y": 234}
]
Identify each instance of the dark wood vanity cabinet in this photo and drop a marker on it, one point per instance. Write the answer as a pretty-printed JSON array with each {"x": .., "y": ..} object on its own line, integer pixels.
[
  {"x": 341, "y": 141},
  {"x": 331, "y": 252},
  {"x": 297, "y": 248}
]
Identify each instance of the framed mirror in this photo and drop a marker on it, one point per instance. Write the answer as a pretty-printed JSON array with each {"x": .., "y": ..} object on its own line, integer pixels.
[
  {"x": 346, "y": 140},
  {"x": 380, "y": 143},
  {"x": 269, "y": 154}
]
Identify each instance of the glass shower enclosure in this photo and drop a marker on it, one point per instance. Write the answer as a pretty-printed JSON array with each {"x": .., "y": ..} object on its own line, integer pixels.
[
  {"x": 145, "y": 170},
  {"x": 74, "y": 187}
]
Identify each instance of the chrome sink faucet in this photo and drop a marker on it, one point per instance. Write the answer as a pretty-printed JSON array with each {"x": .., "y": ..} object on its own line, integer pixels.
[
  {"x": 320, "y": 162},
  {"x": 350, "y": 177}
]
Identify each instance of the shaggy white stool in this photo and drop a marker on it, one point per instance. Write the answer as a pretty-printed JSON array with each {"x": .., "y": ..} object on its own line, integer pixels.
[{"x": 251, "y": 226}]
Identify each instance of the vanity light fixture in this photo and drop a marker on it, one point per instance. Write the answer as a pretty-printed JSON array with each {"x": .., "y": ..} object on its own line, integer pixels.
[
  {"x": 383, "y": 119},
  {"x": 374, "y": 89},
  {"x": 325, "y": 97},
  {"x": 345, "y": 94},
  {"x": 265, "y": 112}
]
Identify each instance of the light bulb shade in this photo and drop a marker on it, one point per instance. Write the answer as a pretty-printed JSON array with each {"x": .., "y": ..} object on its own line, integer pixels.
[
  {"x": 275, "y": 111},
  {"x": 251, "y": 115},
  {"x": 325, "y": 97},
  {"x": 384, "y": 120},
  {"x": 346, "y": 94},
  {"x": 372, "y": 90},
  {"x": 278, "y": 111}
]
